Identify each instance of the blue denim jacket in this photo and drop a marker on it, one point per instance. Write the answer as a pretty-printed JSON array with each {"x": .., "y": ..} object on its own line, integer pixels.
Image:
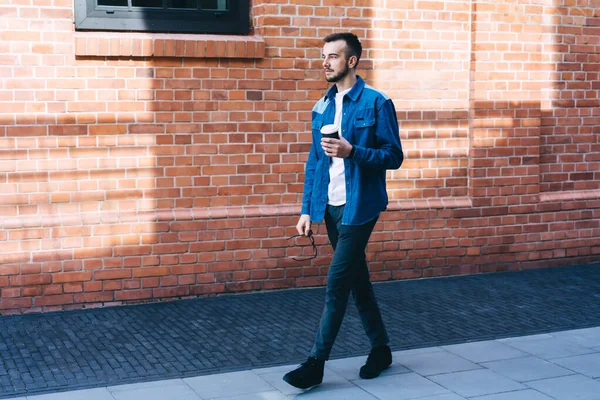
[{"x": 370, "y": 124}]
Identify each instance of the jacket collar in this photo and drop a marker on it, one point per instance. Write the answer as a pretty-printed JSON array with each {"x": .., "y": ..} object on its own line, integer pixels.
[{"x": 356, "y": 90}]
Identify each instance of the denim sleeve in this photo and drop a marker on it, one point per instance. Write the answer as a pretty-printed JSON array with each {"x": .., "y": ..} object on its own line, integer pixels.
[
  {"x": 309, "y": 178},
  {"x": 389, "y": 153}
]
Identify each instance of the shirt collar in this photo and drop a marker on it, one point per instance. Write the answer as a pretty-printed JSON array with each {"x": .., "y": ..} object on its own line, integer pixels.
[{"x": 353, "y": 93}]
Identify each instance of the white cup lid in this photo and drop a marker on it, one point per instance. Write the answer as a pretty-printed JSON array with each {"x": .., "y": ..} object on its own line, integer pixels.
[{"x": 329, "y": 129}]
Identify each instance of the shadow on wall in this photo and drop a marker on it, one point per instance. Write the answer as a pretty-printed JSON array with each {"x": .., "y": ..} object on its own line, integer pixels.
[{"x": 570, "y": 136}]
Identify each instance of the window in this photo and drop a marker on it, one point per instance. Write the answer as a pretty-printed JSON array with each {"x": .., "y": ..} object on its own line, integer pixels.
[{"x": 190, "y": 16}]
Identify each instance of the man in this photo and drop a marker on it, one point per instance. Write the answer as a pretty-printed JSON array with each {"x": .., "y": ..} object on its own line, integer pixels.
[{"x": 345, "y": 184}]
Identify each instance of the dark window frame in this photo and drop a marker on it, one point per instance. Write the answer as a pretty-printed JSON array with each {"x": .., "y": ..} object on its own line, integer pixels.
[{"x": 235, "y": 21}]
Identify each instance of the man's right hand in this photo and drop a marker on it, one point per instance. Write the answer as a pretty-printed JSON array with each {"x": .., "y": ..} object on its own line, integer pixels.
[{"x": 303, "y": 225}]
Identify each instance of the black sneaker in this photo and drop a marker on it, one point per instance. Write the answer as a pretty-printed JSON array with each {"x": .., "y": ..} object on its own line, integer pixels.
[
  {"x": 307, "y": 375},
  {"x": 379, "y": 359}
]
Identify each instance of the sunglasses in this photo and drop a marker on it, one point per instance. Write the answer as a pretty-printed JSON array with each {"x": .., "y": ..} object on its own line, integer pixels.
[{"x": 312, "y": 242}]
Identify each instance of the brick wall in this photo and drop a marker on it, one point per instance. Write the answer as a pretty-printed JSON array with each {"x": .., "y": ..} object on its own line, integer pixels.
[{"x": 138, "y": 167}]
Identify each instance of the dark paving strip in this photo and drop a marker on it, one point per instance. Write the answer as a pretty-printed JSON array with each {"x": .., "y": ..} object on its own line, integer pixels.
[{"x": 101, "y": 347}]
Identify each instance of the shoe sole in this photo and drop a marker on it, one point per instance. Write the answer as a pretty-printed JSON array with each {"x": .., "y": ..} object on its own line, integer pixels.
[
  {"x": 301, "y": 387},
  {"x": 374, "y": 376}
]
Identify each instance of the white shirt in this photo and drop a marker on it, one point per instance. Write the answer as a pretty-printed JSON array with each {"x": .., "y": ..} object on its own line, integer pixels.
[{"x": 336, "y": 192}]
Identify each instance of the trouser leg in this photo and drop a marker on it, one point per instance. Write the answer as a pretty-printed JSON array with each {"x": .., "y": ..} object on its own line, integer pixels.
[
  {"x": 368, "y": 309},
  {"x": 349, "y": 243}
]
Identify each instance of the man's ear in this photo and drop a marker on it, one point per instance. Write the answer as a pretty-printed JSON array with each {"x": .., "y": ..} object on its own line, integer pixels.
[{"x": 352, "y": 61}]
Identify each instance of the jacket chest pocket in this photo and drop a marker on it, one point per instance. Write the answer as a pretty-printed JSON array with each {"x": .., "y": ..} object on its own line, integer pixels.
[
  {"x": 365, "y": 118},
  {"x": 364, "y": 122},
  {"x": 364, "y": 127}
]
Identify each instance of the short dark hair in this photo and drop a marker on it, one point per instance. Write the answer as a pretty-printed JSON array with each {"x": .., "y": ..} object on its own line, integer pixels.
[{"x": 353, "y": 46}]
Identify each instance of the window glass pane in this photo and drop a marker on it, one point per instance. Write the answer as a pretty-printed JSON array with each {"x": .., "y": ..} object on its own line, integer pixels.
[
  {"x": 193, "y": 4},
  {"x": 220, "y": 5},
  {"x": 172, "y": 16},
  {"x": 113, "y": 3},
  {"x": 147, "y": 3}
]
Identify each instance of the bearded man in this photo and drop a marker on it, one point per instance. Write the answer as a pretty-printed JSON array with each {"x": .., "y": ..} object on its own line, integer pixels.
[{"x": 345, "y": 185}]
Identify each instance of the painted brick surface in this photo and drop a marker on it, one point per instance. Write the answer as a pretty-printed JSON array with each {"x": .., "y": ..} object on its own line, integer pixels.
[{"x": 139, "y": 167}]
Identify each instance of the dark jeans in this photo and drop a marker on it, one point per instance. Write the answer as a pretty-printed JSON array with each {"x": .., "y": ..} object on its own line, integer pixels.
[{"x": 348, "y": 272}]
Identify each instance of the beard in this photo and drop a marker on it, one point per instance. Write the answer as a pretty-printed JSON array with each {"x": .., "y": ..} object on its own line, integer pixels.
[{"x": 339, "y": 76}]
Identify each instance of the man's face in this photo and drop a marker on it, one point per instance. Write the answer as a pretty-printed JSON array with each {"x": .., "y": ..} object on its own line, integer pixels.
[{"x": 334, "y": 61}]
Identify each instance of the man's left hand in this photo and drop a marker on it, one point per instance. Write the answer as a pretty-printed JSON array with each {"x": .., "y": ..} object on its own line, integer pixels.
[{"x": 339, "y": 148}]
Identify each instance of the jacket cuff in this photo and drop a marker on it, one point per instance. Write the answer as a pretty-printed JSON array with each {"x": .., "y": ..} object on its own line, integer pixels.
[
  {"x": 305, "y": 209},
  {"x": 351, "y": 155},
  {"x": 356, "y": 153}
]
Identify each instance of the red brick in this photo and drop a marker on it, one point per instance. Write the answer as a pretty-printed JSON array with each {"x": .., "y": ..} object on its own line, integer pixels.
[
  {"x": 132, "y": 250},
  {"x": 151, "y": 271},
  {"x": 11, "y": 269},
  {"x": 118, "y": 285},
  {"x": 26, "y": 280},
  {"x": 15, "y": 304},
  {"x": 150, "y": 282},
  {"x": 71, "y": 277},
  {"x": 207, "y": 289},
  {"x": 133, "y": 294},
  {"x": 101, "y": 297},
  {"x": 171, "y": 292},
  {"x": 53, "y": 300},
  {"x": 92, "y": 286},
  {"x": 169, "y": 248},
  {"x": 113, "y": 274},
  {"x": 10, "y": 292}
]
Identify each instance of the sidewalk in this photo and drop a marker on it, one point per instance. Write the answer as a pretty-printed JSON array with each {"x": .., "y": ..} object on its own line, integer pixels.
[
  {"x": 563, "y": 366},
  {"x": 449, "y": 336}
]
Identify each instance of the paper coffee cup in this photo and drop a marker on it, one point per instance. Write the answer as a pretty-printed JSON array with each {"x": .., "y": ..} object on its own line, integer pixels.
[{"x": 330, "y": 131}]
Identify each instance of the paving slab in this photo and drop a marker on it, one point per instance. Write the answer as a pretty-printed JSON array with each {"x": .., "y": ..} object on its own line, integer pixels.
[
  {"x": 401, "y": 387},
  {"x": 351, "y": 393},
  {"x": 573, "y": 387},
  {"x": 274, "y": 395},
  {"x": 527, "y": 369},
  {"x": 484, "y": 351},
  {"x": 229, "y": 384},
  {"x": 584, "y": 337},
  {"x": 86, "y": 394},
  {"x": 553, "y": 347},
  {"x": 587, "y": 364},
  {"x": 436, "y": 363},
  {"x": 450, "y": 396},
  {"x": 518, "y": 395},
  {"x": 476, "y": 383},
  {"x": 177, "y": 390}
]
